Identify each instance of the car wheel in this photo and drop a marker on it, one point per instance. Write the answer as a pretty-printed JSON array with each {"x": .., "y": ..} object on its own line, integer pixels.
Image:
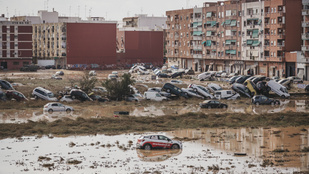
[
  {"x": 68, "y": 110},
  {"x": 168, "y": 90},
  {"x": 276, "y": 103},
  {"x": 282, "y": 96},
  {"x": 224, "y": 107},
  {"x": 50, "y": 111},
  {"x": 175, "y": 146},
  {"x": 257, "y": 103},
  {"x": 147, "y": 147},
  {"x": 209, "y": 107},
  {"x": 195, "y": 90}
]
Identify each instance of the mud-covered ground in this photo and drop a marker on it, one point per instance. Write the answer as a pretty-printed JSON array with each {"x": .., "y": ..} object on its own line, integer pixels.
[{"x": 100, "y": 141}]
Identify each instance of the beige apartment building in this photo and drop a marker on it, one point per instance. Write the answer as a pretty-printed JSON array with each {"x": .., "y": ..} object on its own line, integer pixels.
[{"x": 242, "y": 36}]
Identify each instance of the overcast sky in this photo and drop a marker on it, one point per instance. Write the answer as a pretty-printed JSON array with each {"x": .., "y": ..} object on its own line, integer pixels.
[{"x": 110, "y": 9}]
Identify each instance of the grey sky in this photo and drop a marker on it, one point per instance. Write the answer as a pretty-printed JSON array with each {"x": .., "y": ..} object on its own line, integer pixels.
[{"x": 110, "y": 9}]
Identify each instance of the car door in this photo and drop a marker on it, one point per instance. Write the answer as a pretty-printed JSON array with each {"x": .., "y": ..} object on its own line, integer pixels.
[
  {"x": 164, "y": 142},
  {"x": 55, "y": 107},
  {"x": 156, "y": 142}
]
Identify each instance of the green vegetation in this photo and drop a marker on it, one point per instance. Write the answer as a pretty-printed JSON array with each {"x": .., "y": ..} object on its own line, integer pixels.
[
  {"x": 87, "y": 83},
  {"x": 118, "y": 90},
  {"x": 125, "y": 124}
]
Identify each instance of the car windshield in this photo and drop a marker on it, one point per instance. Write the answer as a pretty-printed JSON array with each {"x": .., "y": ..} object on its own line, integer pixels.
[
  {"x": 50, "y": 95},
  {"x": 202, "y": 88},
  {"x": 284, "y": 90}
]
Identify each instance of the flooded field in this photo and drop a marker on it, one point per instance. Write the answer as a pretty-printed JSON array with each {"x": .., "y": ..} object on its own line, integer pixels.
[
  {"x": 263, "y": 150},
  {"x": 151, "y": 109}
]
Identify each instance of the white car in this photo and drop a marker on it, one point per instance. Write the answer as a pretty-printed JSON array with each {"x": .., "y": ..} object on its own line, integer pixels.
[
  {"x": 191, "y": 92},
  {"x": 156, "y": 96},
  {"x": 176, "y": 82},
  {"x": 149, "y": 142},
  {"x": 213, "y": 87},
  {"x": 159, "y": 90},
  {"x": 57, "y": 107},
  {"x": 226, "y": 94},
  {"x": 92, "y": 73},
  {"x": 201, "y": 90},
  {"x": 66, "y": 98}
]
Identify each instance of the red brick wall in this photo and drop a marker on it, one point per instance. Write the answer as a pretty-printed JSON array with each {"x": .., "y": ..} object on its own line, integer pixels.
[
  {"x": 10, "y": 63},
  {"x": 144, "y": 46},
  {"x": 24, "y": 45},
  {"x": 24, "y": 37},
  {"x": 24, "y": 29},
  {"x": 293, "y": 25},
  {"x": 91, "y": 43}
]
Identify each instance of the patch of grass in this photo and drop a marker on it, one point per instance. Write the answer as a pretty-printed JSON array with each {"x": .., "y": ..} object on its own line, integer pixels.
[{"x": 126, "y": 124}]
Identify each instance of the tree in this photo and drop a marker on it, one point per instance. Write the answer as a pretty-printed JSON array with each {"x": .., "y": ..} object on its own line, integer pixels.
[
  {"x": 118, "y": 90},
  {"x": 87, "y": 83}
]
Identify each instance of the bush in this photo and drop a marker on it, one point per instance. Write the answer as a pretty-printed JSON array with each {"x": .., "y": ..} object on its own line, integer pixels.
[
  {"x": 87, "y": 83},
  {"x": 118, "y": 90}
]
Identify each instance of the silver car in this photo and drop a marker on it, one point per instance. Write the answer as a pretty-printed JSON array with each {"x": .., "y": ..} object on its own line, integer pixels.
[
  {"x": 57, "y": 107},
  {"x": 191, "y": 92}
]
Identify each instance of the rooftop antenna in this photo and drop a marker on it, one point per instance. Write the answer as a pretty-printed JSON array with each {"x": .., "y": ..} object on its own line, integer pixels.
[
  {"x": 78, "y": 10},
  {"x": 7, "y": 11},
  {"x": 86, "y": 11},
  {"x": 47, "y": 5},
  {"x": 90, "y": 12}
]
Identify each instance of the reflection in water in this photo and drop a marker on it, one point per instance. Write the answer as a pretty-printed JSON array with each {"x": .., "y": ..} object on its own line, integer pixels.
[
  {"x": 117, "y": 154},
  {"x": 157, "y": 155},
  {"x": 258, "y": 143}
]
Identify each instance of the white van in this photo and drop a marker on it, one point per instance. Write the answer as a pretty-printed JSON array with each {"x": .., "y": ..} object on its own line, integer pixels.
[
  {"x": 154, "y": 96},
  {"x": 205, "y": 75},
  {"x": 226, "y": 94},
  {"x": 278, "y": 89},
  {"x": 43, "y": 94},
  {"x": 112, "y": 77}
]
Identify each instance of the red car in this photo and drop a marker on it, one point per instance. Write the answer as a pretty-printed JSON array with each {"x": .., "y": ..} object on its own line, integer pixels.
[
  {"x": 148, "y": 142},
  {"x": 18, "y": 96}
]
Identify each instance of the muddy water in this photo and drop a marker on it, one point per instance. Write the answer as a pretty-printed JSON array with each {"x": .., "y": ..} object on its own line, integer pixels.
[
  {"x": 212, "y": 151},
  {"x": 152, "y": 109}
]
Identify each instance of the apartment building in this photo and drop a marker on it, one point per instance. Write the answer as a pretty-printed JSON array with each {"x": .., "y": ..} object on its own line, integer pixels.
[
  {"x": 282, "y": 34},
  {"x": 74, "y": 44},
  {"x": 222, "y": 42},
  {"x": 144, "y": 22},
  {"x": 179, "y": 34},
  {"x": 243, "y": 36},
  {"x": 15, "y": 44},
  {"x": 303, "y": 62}
]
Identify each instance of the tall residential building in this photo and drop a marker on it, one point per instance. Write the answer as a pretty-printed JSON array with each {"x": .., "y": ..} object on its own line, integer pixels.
[
  {"x": 303, "y": 63},
  {"x": 243, "y": 36},
  {"x": 15, "y": 44}
]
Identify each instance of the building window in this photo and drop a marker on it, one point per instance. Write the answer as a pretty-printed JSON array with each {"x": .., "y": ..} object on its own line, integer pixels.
[
  {"x": 15, "y": 63},
  {"x": 275, "y": 10},
  {"x": 25, "y": 63},
  {"x": 272, "y": 21},
  {"x": 274, "y": 43},
  {"x": 272, "y": 10},
  {"x": 271, "y": 43},
  {"x": 275, "y": 21},
  {"x": 271, "y": 54}
]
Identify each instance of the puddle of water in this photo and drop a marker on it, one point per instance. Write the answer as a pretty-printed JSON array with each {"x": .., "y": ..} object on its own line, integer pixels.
[{"x": 212, "y": 152}]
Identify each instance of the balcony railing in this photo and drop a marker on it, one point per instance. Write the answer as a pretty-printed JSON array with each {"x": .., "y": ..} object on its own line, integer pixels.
[
  {"x": 197, "y": 47},
  {"x": 305, "y": 48},
  {"x": 197, "y": 56},
  {"x": 305, "y": 12},
  {"x": 305, "y": 36},
  {"x": 305, "y": 24}
]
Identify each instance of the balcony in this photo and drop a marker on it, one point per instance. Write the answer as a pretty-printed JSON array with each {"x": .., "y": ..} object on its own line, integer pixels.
[
  {"x": 197, "y": 37},
  {"x": 197, "y": 56},
  {"x": 305, "y": 48},
  {"x": 305, "y": 24},
  {"x": 197, "y": 47},
  {"x": 305, "y": 12},
  {"x": 305, "y": 36}
]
